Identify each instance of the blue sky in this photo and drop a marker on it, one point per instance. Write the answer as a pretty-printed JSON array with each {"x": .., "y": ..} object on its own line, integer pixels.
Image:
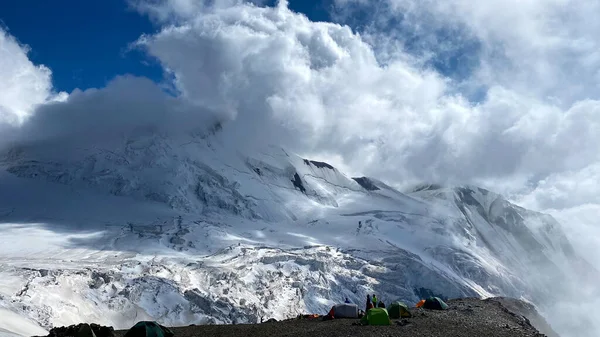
[{"x": 85, "y": 43}]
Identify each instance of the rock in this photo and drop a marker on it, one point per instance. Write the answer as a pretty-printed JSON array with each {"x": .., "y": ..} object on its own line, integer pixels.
[
  {"x": 98, "y": 279},
  {"x": 196, "y": 298},
  {"x": 403, "y": 322},
  {"x": 92, "y": 330}
]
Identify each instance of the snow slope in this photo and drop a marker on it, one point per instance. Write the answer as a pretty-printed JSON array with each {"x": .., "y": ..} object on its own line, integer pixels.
[{"x": 187, "y": 229}]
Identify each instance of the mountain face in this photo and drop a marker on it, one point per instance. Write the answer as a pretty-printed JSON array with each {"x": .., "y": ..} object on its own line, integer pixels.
[{"x": 187, "y": 229}]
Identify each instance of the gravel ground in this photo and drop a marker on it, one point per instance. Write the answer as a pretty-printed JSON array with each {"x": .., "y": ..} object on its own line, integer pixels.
[{"x": 465, "y": 317}]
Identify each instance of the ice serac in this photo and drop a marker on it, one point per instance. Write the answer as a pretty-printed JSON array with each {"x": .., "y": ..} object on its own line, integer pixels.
[{"x": 186, "y": 229}]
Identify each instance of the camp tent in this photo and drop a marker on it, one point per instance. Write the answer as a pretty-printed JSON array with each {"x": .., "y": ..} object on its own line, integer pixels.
[
  {"x": 148, "y": 329},
  {"x": 85, "y": 330},
  {"x": 376, "y": 316},
  {"x": 420, "y": 304},
  {"x": 435, "y": 303},
  {"x": 345, "y": 310},
  {"x": 398, "y": 309}
]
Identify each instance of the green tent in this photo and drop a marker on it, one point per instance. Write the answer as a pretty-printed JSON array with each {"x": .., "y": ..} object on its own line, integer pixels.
[
  {"x": 435, "y": 303},
  {"x": 149, "y": 329},
  {"x": 376, "y": 316},
  {"x": 399, "y": 309}
]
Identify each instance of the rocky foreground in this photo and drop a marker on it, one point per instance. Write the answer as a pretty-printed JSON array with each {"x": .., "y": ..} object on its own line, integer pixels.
[{"x": 496, "y": 317}]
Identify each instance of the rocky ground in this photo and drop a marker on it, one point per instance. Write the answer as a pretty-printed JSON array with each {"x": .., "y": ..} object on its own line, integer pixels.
[{"x": 465, "y": 317}]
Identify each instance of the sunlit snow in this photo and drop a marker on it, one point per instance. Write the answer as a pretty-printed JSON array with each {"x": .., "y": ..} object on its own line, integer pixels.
[{"x": 234, "y": 238}]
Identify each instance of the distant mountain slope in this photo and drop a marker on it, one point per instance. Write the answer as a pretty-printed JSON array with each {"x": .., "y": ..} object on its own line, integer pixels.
[{"x": 185, "y": 229}]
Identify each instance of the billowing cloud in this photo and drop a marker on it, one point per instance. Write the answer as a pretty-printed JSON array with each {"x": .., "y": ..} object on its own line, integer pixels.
[
  {"x": 309, "y": 85},
  {"x": 125, "y": 105},
  {"x": 23, "y": 85},
  {"x": 542, "y": 48},
  {"x": 322, "y": 89}
]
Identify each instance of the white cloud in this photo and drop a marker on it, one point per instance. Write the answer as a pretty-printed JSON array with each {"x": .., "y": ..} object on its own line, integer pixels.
[
  {"x": 102, "y": 118},
  {"x": 319, "y": 88},
  {"x": 313, "y": 86},
  {"x": 567, "y": 189},
  {"x": 23, "y": 85},
  {"x": 540, "y": 47}
]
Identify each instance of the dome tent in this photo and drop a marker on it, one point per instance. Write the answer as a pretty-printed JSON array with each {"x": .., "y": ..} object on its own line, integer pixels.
[
  {"x": 149, "y": 329},
  {"x": 398, "y": 310},
  {"x": 376, "y": 316},
  {"x": 435, "y": 303},
  {"x": 345, "y": 310}
]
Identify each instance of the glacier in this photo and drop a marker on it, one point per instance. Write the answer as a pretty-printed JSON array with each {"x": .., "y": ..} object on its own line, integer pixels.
[{"x": 189, "y": 229}]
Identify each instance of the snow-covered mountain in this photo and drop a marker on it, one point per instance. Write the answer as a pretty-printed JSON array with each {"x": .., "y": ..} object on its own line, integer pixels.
[{"x": 188, "y": 229}]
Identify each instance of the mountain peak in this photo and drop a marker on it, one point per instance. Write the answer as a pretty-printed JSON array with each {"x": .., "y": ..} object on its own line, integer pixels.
[{"x": 318, "y": 164}]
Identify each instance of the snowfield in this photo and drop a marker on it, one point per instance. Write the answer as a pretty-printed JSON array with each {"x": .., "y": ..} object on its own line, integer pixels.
[{"x": 187, "y": 229}]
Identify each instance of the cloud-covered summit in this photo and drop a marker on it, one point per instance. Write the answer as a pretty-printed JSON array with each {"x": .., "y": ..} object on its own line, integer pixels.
[{"x": 323, "y": 89}]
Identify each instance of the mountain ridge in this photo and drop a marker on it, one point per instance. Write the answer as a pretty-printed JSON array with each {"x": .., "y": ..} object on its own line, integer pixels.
[{"x": 165, "y": 228}]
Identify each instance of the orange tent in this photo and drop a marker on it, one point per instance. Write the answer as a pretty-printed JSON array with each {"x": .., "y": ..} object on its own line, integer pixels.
[{"x": 420, "y": 304}]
